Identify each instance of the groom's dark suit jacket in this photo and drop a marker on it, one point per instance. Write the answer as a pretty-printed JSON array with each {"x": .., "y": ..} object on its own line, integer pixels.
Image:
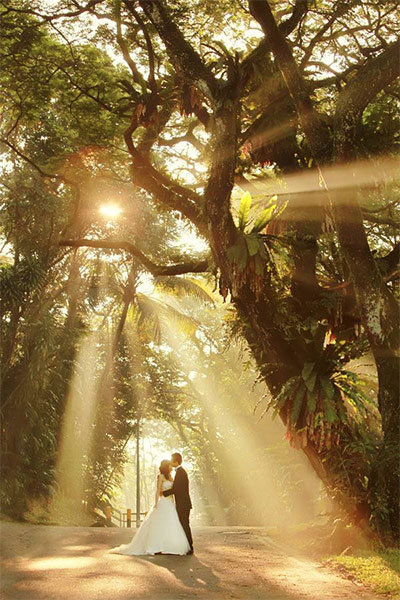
[{"x": 180, "y": 489}]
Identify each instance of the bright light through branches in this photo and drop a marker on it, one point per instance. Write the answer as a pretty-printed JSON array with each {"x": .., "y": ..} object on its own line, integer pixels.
[{"x": 111, "y": 211}]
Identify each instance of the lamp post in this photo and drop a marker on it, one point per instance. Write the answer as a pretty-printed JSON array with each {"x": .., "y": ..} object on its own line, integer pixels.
[{"x": 137, "y": 473}]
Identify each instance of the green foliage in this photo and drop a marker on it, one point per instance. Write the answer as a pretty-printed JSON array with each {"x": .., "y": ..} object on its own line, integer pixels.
[
  {"x": 325, "y": 397},
  {"x": 379, "y": 570},
  {"x": 19, "y": 280},
  {"x": 381, "y": 123},
  {"x": 182, "y": 287},
  {"x": 244, "y": 210},
  {"x": 153, "y": 312},
  {"x": 252, "y": 254},
  {"x": 64, "y": 99},
  {"x": 255, "y": 223}
]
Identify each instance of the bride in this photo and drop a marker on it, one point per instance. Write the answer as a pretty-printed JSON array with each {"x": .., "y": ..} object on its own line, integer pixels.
[{"x": 161, "y": 531}]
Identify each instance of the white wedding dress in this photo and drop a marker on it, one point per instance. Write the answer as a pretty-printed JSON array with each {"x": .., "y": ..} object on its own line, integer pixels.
[{"x": 161, "y": 531}]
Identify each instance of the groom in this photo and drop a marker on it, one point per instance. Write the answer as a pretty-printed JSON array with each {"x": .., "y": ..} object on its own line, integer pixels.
[{"x": 180, "y": 489}]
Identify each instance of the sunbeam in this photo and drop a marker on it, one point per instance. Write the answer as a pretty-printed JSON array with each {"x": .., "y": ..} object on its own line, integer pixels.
[
  {"x": 77, "y": 427},
  {"x": 258, "y": 499},
  {"x": 305, "y": 184}
]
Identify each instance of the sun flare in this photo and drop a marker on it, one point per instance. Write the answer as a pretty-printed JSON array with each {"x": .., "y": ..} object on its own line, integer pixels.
[{"x": 111, "y": 211}]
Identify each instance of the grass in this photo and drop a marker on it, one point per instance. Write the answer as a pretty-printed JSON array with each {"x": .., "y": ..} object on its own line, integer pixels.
[{"x": 380, "y": 570}]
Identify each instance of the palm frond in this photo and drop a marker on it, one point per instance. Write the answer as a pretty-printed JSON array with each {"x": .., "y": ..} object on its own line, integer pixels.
[
  {"x": 155, "y": 313},
  {"x": 185, "y": 286}
]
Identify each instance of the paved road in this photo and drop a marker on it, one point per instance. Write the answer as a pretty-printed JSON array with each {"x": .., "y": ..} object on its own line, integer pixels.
[{"x": 72, "y": 563}]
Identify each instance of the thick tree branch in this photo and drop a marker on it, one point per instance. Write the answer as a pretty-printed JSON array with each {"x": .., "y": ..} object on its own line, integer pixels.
[
  {"x": 165, "y": 191},
  {"x": 150, "y": 50},
  {"x": 41, "y": 171},
  {"x": 286, "y": 27},
  {"x": 62, "y": 15},
  {"x": 311, "y": 121},
  {"x": 391, "y": 262},
  {"x": 340, "y": 10},
  {"x": 271, "y": 137},
  {"x": 338, "y": 78},
  {"x": 151, "y": 135},
  {"x": 187, "y": 137},
  {"x": 182, "y": 55},
  {"x": 136, "y": 75},
  {"x": 378, "y": 220},
  {"x": 219, "y": 185},
  {"x": 153, "y": 268},
  {"x": 299, "y": 10},
  {"x": 362, "y": 88}
]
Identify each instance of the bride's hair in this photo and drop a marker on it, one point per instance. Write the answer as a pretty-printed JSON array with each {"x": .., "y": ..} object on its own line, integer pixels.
[{"x": 165, "y": 469}]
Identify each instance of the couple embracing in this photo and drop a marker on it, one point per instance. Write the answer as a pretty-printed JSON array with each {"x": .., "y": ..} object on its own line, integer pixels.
[{"x": 166, "y": 528}]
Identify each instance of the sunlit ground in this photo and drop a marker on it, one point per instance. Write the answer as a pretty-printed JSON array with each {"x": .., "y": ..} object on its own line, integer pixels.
[
  {"x": 57, "y": 563},
  {"x": 48, "y": 562}
]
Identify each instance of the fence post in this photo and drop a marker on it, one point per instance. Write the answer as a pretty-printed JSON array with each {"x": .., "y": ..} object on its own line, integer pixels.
[
  {"x": 129, "y": 517},
  {"x": 108, "y": 514}
]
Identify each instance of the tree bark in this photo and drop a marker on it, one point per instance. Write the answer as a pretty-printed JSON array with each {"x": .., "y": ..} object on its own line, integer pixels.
[{"x": 378, "y": 309}]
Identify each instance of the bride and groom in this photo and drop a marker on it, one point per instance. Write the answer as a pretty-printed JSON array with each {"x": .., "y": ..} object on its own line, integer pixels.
[{"x": 166, "y": 528}]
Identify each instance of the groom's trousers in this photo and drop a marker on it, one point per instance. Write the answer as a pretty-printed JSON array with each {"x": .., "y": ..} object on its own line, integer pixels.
[{"x": 183, "y": 514}]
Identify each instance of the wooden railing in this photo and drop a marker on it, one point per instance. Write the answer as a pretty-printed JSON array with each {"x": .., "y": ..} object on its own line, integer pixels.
[{"x": 120, "y": 518}]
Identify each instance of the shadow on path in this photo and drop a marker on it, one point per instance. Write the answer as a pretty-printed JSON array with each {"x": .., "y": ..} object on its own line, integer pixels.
[{"x": 189, "y": 570}]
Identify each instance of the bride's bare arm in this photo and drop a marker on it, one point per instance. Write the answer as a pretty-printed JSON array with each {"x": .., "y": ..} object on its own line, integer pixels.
[{"x": 159, "y": 489}]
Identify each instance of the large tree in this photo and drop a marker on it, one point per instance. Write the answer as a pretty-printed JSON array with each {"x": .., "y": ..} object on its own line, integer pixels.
[{"x": 270, "y": 98}]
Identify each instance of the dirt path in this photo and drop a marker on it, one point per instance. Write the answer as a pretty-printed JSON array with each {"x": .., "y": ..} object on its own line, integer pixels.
[{"x": 61, "y": 563}]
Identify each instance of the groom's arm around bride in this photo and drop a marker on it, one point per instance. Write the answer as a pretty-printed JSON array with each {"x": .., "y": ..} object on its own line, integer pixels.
[{"x": 180, "y": 488}]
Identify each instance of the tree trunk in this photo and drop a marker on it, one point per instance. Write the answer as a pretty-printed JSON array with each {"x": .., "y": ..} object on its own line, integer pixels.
[
  {"x": 378, "y": 310},
  {"x": 380, "y": 319}
]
